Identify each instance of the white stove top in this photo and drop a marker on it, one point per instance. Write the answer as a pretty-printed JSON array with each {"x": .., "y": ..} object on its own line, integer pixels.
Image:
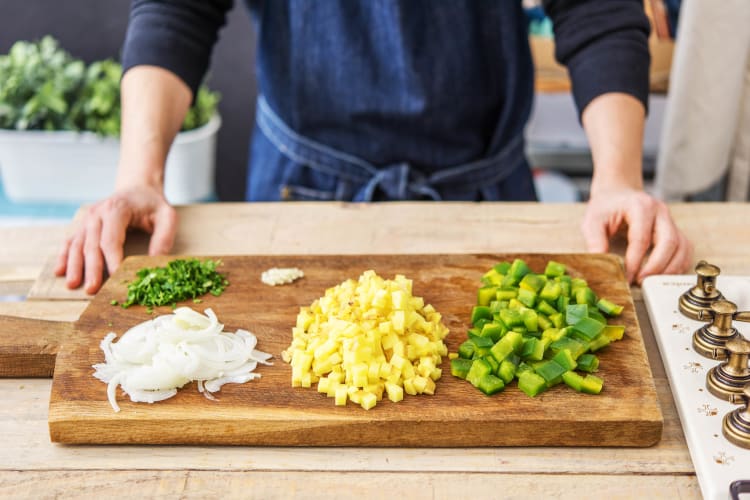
[{"x": 717, "y": 461}]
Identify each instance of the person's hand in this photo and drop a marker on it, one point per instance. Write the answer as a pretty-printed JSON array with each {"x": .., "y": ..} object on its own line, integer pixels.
[
  {"x": 649, "y": 225},
  {"x": 100, "y": 236}
]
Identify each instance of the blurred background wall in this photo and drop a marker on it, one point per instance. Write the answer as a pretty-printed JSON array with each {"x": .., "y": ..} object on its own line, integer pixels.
[{"x": 95, "y": 29}]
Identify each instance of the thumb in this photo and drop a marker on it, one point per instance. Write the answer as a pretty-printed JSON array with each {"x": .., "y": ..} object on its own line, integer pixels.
[{"x": 165, "y": 228}]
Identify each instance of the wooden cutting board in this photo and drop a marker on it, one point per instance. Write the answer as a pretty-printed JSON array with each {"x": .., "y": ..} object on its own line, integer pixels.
[{"x": 269, "y": 411}]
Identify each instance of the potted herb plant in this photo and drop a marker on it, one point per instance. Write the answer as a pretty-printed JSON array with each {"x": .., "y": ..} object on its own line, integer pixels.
[{"x": 59, "y": 128}]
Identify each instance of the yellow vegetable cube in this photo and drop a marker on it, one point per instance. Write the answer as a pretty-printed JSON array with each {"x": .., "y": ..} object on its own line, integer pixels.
[
  {"x": 323, "y": 384},
  {"x": 420, "y": 384},
  {"x": 368, "y": 401},
  {"x": 373, "y": 373},
  {"x": 341, "y": 395},
  {"x": 409, "y": 387},
  {"x": 359, "y": 374},
  {"x": 395, "y": 392}
]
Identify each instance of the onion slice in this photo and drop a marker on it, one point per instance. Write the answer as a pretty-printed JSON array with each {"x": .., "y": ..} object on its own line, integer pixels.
[{"x": 155, "y": 358}]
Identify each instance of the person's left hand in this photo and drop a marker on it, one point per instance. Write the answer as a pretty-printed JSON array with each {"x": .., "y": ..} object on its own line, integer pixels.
[{"x": 649, "y": 225}]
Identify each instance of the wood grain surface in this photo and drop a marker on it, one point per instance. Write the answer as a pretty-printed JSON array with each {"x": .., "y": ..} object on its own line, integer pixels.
[
  {"x": 28, "y": 347},
  {"x": 270, "y": 412}
]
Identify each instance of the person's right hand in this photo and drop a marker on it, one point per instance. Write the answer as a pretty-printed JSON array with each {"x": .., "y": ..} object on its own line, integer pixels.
[{"x": 100, "y": 236}]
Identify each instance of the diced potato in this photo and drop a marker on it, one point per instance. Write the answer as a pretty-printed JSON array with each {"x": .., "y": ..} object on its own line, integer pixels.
[
  {"x": 368, "y": 400},
  {"x": 365, "y": 338},
  {"x": 395, "y": 392},
  {"x": 341, "y": 395}
]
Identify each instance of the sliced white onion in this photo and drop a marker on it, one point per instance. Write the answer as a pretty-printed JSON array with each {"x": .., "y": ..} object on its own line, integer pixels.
[{"x": 155, "y": 358}]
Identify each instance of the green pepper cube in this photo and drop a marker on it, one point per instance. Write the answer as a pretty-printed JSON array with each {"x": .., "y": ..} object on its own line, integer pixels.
[
  {"x": 609, "y": 308},
  {"x": 513, "y": 358},
  {"x": 523, "y": 367},
  {"x": 545, "y": 307},
  {"x": 532, "y": 282},
  {"x": 553, "y": 334},
  {"x": 551, "y": 291},
  {"x": 562, "y": 303},
  {"x": 506, "y": 293},
  {"x": 518, "y": 269},
  {"x": 510, "y": 343},
  {"x": 550, "y": 371},
  {"x": 479, "y": 368},
  {"x": 460, "y": 367},
  {"x": 543, "y": 321},
  {"x": 531, "y": 383},
  {"x": 565, "y": 359},
  {"x": 573, "y": 380},
  {"x": 588, "y": 363},
  {"x": 554, "y": 269},
  {"x": 599, "y": 342},
  {"x": 494, "y": 331},
  {"x": 466, "y": 349},
  {"x": 533, "y": 349},
  {"x": 564, "y": 285},
  {"x": 492, "y": 277},
  {"x": 588, "y": 328},
  {"x": 494, "y": 364},
  {"x": 480, "y": 312},
  {"x": 506, "y": 371},
  {"x": 526, "y": 297},
  {"x": 597, "y": 316},
  {"x": 511, "y": 317},
  {"x": 502, "y": 267},
  {"x": 481, "y": 341},
  {"x": 592, "y": 384},
  {"x": 586, "y": 295},
  {"x": 530, "y": 320},
  {"x": 614, "y": 332},
  {"x": 577, "y": 283},
  {"x": 479, "y": 325},
  {"x": 490, "y": 384},
  {"x": 574, "y": 312},
  {"x": 557, "y": 319},
  {"x": 485, "y": 295},
  {"x": 575, "y": 347}
]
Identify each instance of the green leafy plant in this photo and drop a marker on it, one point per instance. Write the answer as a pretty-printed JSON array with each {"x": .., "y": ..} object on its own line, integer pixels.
[{"x": 42, "y": 87}]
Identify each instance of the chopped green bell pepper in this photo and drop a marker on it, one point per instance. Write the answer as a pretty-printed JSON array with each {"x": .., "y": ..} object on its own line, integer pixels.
[
  {"x": 490, "y": 384},
  {"x": 588, "y": 363},
  {"x": 479, "y": 368},
  {"x": 531, "y": 383},
  {"x": 460, "y": 367},
  {"x": 609, "y": 308},
  {"x": 554, "y": 269},
  {"x": 592, "y": 384}
]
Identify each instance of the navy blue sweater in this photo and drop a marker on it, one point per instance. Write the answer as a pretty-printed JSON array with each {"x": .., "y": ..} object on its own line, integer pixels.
[{"x": 465, "y": 65}]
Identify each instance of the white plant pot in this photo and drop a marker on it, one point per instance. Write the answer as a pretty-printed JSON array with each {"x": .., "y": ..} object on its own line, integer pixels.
[{"x": 80, "y": 167}]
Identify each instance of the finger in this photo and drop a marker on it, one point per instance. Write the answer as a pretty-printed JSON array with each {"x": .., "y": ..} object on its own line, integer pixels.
[
  {"x": 596, "y": 235},
  {"x": 93, "y": 261},
  {"x": 114, "y": 231},
  {"x": 61, "y": 263},
  {"x": 74, "y": 268},
  {"x": 640, "y": 231},
  {"x": 682, "y": 257},
  {"x": 667, "y": 242},
  {"x": 165, "y": 228}
]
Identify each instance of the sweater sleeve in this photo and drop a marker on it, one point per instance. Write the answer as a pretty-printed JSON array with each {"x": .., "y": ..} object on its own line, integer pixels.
[
  {"x": 604, "y": 44},
  {"x": 177, "y": 35}
]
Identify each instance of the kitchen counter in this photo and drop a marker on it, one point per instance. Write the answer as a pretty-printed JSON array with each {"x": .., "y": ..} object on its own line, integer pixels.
[{"x": 30, "y": 466}]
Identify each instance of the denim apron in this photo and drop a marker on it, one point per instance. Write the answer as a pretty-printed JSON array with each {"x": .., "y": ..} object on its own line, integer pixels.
[
  {"x": 391, "y": 100},
  {"x": 297, "y": 168}
]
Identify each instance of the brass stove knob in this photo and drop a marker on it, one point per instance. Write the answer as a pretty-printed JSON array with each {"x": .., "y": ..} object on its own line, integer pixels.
[
  {"x": 704, "y": 293},
  {"x": 736, "y": 424},
  {"x": 710, "y": 339},
  {"x": 731, "y": 376}
]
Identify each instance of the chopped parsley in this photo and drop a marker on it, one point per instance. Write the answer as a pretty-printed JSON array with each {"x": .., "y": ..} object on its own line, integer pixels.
[{"x": 181, "y": 279}]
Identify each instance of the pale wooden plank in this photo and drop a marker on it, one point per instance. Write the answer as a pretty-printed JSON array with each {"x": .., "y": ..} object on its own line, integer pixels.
[
  {"x": 324, "y": 485},
  {"x": 350, "y": 228},
  {"x": 409, "y": 227},
  {"x": 62, "y": 310},
  {"x": 23, "y": 418}
]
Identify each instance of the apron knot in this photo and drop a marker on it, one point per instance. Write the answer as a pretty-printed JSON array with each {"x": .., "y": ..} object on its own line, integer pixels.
[{"x": 398, "y": 182}]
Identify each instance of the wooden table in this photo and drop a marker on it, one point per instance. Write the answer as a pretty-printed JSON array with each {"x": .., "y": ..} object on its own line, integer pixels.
[{"x": 30, "y": 466}]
